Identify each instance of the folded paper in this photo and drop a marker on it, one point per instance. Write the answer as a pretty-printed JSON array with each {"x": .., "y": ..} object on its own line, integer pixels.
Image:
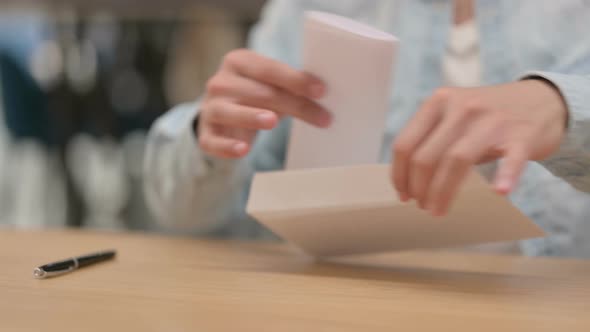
[
  {"x": 356, "y": 63},
  {"x": 354, "y": 210}
]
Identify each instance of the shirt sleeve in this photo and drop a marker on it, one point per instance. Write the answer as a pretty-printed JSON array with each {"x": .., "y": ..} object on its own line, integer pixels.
[
  {"x": 572, "y": 161},
  {"x": 190, "y": 191}
]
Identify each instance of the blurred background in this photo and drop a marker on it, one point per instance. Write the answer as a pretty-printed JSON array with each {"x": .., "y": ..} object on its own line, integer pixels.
[{"x": 81, "y": 81}]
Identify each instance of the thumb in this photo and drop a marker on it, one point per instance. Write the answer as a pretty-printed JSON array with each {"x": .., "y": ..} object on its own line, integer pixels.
[{"x": 510, "y": 169}]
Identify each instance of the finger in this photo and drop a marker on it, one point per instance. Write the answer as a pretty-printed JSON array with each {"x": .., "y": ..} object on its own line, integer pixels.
[
  {"x": 511, "y": 168},
  {"x": 239, "y": 116},
  {"x": 427, "y": 159},
  {"x": 414, "y": 133},
  {"x": 221, "y": 146},
  {"x": 256, "y": 94},
  {"x": 302, "y": 109},
  {"x": 456, "y": 165},
  {"x": 267, "y": 70}
]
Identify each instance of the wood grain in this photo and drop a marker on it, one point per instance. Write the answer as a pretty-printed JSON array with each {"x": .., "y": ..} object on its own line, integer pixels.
[{"x": 182, "y": 284}]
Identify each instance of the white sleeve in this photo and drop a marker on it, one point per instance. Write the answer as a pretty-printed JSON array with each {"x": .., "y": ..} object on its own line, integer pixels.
[
  {"x": 572, "y": 161},
  {"x": 190, "y": 191},
  {"x": 183, "y": 186}
]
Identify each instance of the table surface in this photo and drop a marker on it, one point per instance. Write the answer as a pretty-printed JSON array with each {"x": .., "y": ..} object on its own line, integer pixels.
[{"x": 182, "y": 284}]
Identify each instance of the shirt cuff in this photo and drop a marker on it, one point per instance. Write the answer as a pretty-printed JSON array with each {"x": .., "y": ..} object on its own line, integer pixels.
[
  {"x": 569, "y": 88},
  {"x": 195, "y": 161}
]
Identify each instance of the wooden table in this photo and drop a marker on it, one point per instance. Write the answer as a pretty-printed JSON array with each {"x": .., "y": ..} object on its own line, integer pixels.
[{"x": 182, "y": 284}]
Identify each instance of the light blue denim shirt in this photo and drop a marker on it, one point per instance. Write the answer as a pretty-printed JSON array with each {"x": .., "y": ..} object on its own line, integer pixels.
[{"x": 193, "y": 192}]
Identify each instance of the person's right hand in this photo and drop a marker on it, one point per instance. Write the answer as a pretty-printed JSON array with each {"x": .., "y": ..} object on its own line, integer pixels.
[{"x": 250, "y": 92}]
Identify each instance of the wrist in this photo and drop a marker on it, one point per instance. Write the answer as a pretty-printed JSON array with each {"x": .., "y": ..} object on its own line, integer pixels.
[{"x": 552, "y": 97}]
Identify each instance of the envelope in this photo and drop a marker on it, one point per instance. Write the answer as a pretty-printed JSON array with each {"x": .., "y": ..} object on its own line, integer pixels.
[{"x": 354, "y": 210}]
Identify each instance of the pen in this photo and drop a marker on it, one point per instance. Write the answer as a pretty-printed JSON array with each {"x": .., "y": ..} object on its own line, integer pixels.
[{"x": 71, "y": 264}]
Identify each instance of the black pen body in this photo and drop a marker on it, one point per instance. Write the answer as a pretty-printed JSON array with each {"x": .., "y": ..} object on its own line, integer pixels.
[
  {"x": 64, "y": 265},
  {"x": 67, "y": 265},
  {"x": 95, "y": 258}
]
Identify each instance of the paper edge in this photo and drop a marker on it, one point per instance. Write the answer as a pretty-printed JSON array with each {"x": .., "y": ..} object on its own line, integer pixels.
[{"x": 351, "y": 26}]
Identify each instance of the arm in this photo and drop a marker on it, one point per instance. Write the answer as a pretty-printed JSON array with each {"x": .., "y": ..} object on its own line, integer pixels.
[
  {"x": 190, "y": 190},
  {"x": 197, "y": 178},
  {"x": 182, "y": 184},
  {"x": 572, "y": 161}
]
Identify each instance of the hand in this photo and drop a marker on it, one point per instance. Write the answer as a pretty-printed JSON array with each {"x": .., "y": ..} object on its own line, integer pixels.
[
  {"x": 457, "y": 128},
  {"x": 250, "y": 93}
]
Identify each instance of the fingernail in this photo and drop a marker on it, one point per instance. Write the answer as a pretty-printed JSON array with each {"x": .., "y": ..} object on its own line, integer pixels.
[
  {"x": 325, "y": 119},
  {"x": 422, "y": 205},
  {"x": 437, "y": 212},
  {"x": 432, "y": 209},
  {"x": 316, "y": 91},
  {"x": 503, "y": 185},
  {"x": 265, "y": 119},
  {"x": 240, "y": 148},
  {"x": 404, "y": 197}
]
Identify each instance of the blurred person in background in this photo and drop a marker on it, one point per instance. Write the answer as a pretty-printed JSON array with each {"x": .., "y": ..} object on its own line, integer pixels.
[
  {"x": 31, "y": 188},
  {"x": 512, "y": 94}
]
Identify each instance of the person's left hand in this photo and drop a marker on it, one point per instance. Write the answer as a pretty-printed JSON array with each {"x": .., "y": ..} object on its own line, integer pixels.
[{"x": 457, "y": 128}]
